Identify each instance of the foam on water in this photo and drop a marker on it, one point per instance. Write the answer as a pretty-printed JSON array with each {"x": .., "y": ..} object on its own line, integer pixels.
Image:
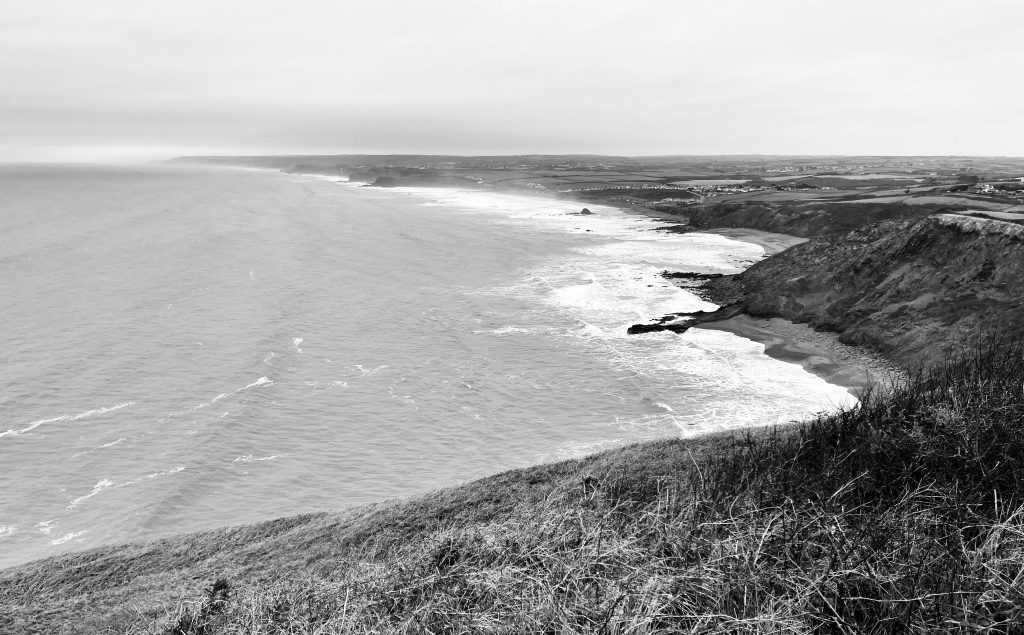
[
  {"x": 248, "y": 458},
  {"x": 107, "y": 484},
  {"x": 706, "y": 380},
  {"x": 456, "y": 334},
  {"x": 576, "y": 450},
  {"x": 100, "y": 447},
  {"x": 65, "y": 418},
  {"x": 262, "y": 381},
  {"x": 370, "y": 371},
  {"x": 98, "y": 488},
  {"x": 506, "y": 330},
  {"x": 68, "y": 537}
]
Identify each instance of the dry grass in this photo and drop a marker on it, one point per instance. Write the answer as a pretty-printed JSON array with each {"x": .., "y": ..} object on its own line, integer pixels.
[{"x": 903, "y": 515}]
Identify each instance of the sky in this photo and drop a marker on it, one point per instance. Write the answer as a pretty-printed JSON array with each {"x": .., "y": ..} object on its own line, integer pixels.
[{"x": 148, "y": 79}]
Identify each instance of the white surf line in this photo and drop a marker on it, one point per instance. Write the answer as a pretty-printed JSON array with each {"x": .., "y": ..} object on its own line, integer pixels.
[
  {"x": 82, "y": 415},
  {"x": 262, "y": 381},
  {"x": 68, "y": 537},
  {"x": 107, "y": 484},
  {"x": 98, "y": 488},
  {"x": 99, "y": 447},
  {"x": 248, "y": 458}
]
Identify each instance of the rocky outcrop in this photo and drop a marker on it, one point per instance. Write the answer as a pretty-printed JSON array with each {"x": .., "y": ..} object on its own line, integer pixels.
[
  {"x": 913, "y": 290},
  {"x": 682, "y": 322},
  {"x": 690, "y": 276}
]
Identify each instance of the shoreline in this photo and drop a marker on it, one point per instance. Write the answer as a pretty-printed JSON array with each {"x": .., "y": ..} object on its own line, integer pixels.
[
  {"x": 854, "y": 368},
  {"x": 772, "y": 243}
]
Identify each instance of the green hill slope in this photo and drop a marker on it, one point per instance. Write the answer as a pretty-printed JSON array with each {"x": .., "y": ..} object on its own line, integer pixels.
[{"x": 912, "y": 290}]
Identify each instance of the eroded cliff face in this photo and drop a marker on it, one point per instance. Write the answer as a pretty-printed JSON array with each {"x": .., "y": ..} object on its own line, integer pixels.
[{"x": 912, "y": 290}]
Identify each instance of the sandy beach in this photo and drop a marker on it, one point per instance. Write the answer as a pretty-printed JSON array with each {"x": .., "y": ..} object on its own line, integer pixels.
[
  {"x": 854, "y": 368},
  {"x": 771, "y": 243}
]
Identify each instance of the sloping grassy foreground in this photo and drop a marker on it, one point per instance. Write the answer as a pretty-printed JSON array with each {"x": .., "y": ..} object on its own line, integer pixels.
[{"x": 904, "y": 515}]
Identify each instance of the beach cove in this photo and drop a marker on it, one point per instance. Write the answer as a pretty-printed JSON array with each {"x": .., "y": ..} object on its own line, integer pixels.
[{"x": 855, "y": 368}]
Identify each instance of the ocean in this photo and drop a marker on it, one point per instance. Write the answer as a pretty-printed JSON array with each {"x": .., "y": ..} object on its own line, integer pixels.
[{"x": 185, "y": 348}]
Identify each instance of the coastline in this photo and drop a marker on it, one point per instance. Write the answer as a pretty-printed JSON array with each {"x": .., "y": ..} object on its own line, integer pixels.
[
  {"x": 772, "y": 243},
  {"x": 854, "y": 368}
]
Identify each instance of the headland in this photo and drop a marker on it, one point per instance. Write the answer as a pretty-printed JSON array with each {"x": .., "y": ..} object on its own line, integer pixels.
[{"x": 902, "y": 514}]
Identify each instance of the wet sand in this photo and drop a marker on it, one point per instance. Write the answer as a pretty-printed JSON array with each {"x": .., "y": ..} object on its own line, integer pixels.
[
  {"x": 771, "y": 243},
  {"x": 854, "y": 368}
]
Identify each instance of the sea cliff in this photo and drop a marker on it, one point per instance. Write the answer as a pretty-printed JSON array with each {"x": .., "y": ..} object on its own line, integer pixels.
[
  {"x": 912, "y": 289},
  {"x": 904, "y": 514}
]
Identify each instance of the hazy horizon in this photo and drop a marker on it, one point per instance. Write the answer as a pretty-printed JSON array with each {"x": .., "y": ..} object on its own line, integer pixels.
[
  {"x": 144, "y": 158},
  {"x": 115, "y": 80}
]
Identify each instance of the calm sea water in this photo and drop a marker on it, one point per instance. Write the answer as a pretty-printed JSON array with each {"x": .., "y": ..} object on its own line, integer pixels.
[{"x": 185, "y": 348}]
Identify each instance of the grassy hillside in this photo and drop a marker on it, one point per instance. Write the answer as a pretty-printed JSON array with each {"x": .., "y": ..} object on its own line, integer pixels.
[
  {"x": 807, "y": 218},
  {"x": 904, "y": 515},
  {"x": 909, "y": 289}
]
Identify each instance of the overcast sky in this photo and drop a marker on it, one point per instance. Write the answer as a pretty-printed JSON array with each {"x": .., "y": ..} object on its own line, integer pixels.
[{"x": 116, "y": 79}]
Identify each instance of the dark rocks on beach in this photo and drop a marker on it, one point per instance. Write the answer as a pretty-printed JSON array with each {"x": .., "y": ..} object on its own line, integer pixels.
[
  {"x": 710, "y": 287},
  {"x": 688, "y": 275},
  {"x": 637, "y": 329},
  {"x": 585, "y": 212},
  {"x": 682, "y": 322}
]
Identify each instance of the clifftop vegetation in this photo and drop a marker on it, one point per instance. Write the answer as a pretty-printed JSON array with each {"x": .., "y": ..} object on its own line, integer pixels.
[
  {"x": 911, "y": 289},
  {"x": 904, "y": 514}
]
